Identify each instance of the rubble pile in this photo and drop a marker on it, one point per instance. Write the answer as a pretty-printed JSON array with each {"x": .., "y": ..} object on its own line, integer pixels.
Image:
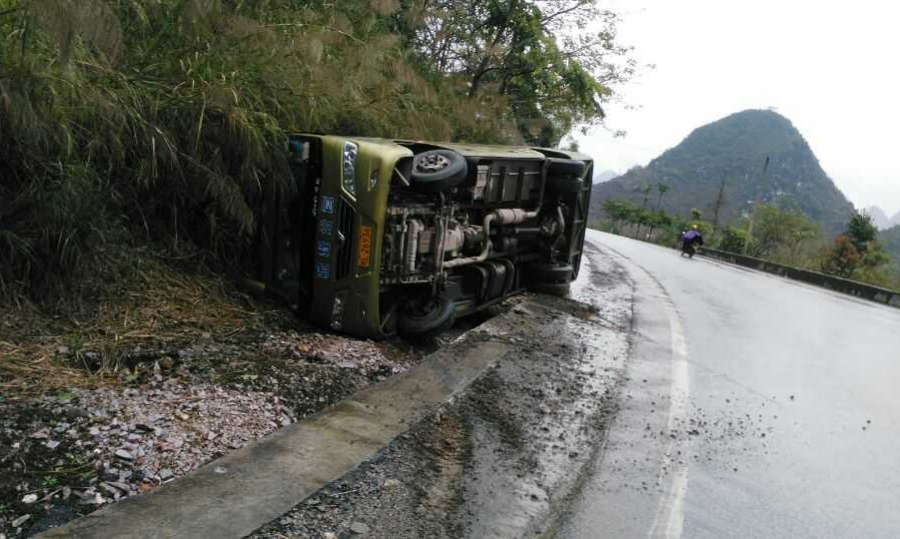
[
  {"x": 171, "y": 410},
  {"x": 90, "y": 448},
  {"x": 340, "y": 351}
]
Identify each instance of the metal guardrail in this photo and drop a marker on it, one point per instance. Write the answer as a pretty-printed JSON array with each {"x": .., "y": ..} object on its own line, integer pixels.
[{"x": 838, "y": 284}]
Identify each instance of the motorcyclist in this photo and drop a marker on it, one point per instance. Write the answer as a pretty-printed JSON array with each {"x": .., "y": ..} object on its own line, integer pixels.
[{"x": 690, "y": 239}]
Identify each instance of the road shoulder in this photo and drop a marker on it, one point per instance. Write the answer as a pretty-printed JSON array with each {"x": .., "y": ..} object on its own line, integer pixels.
[
  {"x": 480, "y": 461},
  {"x": 236, "y": 494},
  {"x": 502, "y": 456}
]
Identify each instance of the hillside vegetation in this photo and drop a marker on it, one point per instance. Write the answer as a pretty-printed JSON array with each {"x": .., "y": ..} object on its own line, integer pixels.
[
  {"x": 735, "y": 149},
  {"x": 132, "y": 126},
  {"x": 785, "y": 236},
  {"x": 890, "y": 238}
]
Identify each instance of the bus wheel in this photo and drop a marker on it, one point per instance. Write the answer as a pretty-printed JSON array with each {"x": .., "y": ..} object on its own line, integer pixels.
[
  {"x": 438, "y": 170},
  {"x": 434, "y": 316}
]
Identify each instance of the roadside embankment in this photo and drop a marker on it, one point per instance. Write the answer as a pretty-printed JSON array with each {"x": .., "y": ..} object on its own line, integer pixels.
[
  {"x": 126, "y": 390},
  {"x": 503, "y": 456},
  {"x": 838, "y": 284},
  {"x": 480, "y": 440}
]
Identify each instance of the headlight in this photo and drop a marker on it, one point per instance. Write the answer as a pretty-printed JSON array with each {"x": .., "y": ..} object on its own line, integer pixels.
[{"x": 351, "y": 150}]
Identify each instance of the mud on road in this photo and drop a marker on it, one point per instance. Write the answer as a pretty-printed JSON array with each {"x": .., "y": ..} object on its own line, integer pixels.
[{"x": 497, "y": 460}]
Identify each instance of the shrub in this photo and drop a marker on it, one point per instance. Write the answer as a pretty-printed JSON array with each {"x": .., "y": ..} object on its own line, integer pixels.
[
  {"x": 842, "y": 259},
  {"x": 734, "y": 240},
  {"x": 166, "y": 120}
]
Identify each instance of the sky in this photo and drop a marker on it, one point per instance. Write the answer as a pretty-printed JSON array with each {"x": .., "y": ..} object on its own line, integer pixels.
[{"x": 831, "y": 67}]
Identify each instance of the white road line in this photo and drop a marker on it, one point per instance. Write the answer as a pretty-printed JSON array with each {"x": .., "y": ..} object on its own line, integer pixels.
[
  {"x": 669, "y": 518},
  {"x": 668, "y": 522}
]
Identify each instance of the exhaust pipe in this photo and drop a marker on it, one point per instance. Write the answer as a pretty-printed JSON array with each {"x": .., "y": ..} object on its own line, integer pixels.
[
  {"x": 412, "y": 244},
  {"x": 502, "y": 217}
]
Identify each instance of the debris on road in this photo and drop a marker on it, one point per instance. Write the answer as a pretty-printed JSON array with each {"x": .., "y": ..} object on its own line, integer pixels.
[
  {"x": 359, "y": 528},
  {"x": 495, "y": 457}
]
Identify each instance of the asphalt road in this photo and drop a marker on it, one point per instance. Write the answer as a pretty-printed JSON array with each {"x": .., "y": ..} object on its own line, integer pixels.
[{"x": 754, "y": 406}]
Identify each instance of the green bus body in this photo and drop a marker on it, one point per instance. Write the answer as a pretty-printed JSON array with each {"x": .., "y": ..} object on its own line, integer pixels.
[{"x": 311, "y": 245}]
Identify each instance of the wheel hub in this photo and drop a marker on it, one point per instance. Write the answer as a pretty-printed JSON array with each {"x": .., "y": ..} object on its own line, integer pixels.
[{"x": 432, "y": 163}]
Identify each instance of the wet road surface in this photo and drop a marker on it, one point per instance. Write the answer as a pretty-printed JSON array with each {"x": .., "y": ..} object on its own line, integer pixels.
[{"x": 754, "y": 407}]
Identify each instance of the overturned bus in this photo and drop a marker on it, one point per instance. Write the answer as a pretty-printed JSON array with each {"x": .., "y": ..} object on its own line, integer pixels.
[{"x": 385, "y": 236}]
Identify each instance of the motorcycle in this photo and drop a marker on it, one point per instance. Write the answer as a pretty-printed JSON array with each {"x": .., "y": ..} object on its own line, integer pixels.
[{"x": 690, "y": 240}]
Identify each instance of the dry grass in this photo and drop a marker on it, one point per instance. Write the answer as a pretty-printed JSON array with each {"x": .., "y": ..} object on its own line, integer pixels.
[
  {"x": 156, "y": 307},
  {"x": 164, "y": 305},
  {"x": 30, "y": 369},
  {"x": 138, "y": 121}
]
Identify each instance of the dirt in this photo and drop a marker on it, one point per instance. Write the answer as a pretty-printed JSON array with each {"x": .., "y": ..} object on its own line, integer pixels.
[
  {"x": 141, "y": 396},
  {"x": 485, "y": 401},
  {"x": 172, "y": 401},
  {"x": 495, "y": 461},
  {"x": 175, "y": 380}
]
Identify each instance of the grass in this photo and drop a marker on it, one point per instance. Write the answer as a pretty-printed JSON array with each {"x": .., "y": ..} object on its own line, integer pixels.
[
  {"x": 157, "y": 307},
  {"x": 32, "y": 369},
  {"x": 140, "y": 138},
  {"x": 133, "y": 132},
  {"x": 124, "y": 121}
]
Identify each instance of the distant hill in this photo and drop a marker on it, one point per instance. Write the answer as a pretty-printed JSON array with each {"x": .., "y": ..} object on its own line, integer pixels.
[
  {"x": 895, "y": 220},
  {"x": 736, "y": 147},
  {"x": 890, "y": 239},
  {"x": 879, "y": 218},
  {"x": 605, "y": 176}
]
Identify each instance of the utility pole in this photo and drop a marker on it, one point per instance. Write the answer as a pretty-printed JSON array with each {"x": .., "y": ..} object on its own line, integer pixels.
[
  {"x": 762, "y": 184},
  {"x": 720, "y": 199},
  {"x": 646, "y": 190}
]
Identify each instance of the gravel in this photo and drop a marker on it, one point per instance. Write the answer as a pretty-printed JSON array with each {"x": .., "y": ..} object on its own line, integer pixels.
[
  {"x": 359, "y": 528},
  {"x": 172, "y": 412},
  {"x": 489, "y": 463}
]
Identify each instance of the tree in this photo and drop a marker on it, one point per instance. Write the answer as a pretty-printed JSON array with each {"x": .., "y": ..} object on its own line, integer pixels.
[
  {"x": 643, "y": 218},
  {"x": 778, "y": 228},
  {"x": 734, "y": 240},
  {"x": 857, "y": 251},
  {"x": 645, "y": 189},
  {"x": 662, "y": 188},
  {"x": 619, "y": 212},
  {"x": 842, "y": 259},
  {"x": 658, "y": 220},
  {"x": 756, "y": 200},
  {"x": 662, "y": 226},
  {"x": 554, "y": 62},
  {"x": 861, "y": 231},
  {"x": 720, "y": 200},
  {"x": 646, "y": 192}
]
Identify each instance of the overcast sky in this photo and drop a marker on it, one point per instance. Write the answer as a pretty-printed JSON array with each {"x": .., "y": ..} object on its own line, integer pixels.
[{"x": 831, "y": 67}]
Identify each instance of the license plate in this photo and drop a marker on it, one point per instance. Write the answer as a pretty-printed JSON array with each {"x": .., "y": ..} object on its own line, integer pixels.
[{"x": 365, "y": 246}]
